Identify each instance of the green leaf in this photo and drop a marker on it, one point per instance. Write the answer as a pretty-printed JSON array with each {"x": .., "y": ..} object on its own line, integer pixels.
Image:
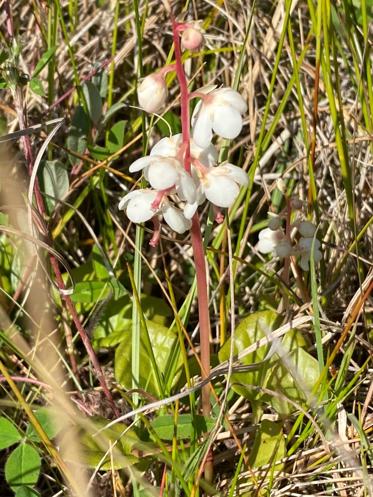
[
  {"x": 89, "y": 292},
  {"x": 116, "y": 136},
  {"x": 26, "y": 492},
  {"x": 80, "y": 121},
  {"x": 56, "y": 181},
  {"x": 162, "y": 341},
  {"x": 9, "y": 434},
  {"x": 45, "y": 418},
  {"x": 305, "y": 368},
  {"x": 117, "y": 318},
  {"x": 97, "y": 450},
  {"x": 170, "y": 120},
  {"x": 113, "y": 110},
  {"x": 188, "y": 426},
  {"x": 99, "y": 153},
  {"x": 37, "y": 87},
  {"x": 45, "y": 58},
  {"x": 269, "y": 445},
  {"x": 251, "y": 329},
  {"x": 3, "y": 56},
  {"x": 76, "y": 142},
  {"x": 94, "y": 102},
  {"x": 23, "y": 466},
  {"x": 274, "y": 374}
]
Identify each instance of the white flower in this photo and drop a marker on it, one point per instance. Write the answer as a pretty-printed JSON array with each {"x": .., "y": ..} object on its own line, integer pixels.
[
  {"x": 142, "y": 205},
  {"x": 221, "y": 184},
  {"x": 269, "y": 239},
  {"x": 138, "y": 205},
  {"x": 152, "y": 93},
  {"x": 219, "y": 111},
  {"x": 305, "y": 247},
  {"x": 166, "y": 172},
  {"x": 170, "y": 147}
]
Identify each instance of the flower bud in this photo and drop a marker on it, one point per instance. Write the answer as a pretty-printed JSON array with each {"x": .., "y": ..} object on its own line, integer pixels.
[
  {"x": 152, "y": 93},
  {"x": 307, "y": 229},
  {"x": 274, "y": 223},
  {"x": 192, "y": 39}
]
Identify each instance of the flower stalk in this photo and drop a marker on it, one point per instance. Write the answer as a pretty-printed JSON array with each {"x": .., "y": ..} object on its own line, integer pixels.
[{"x": 197, "y": 242}]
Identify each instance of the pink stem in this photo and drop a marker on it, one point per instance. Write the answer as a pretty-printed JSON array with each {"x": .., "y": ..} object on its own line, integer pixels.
[
  {"x": 197, "y": 243},
  {"x": 184, "y": 97}
]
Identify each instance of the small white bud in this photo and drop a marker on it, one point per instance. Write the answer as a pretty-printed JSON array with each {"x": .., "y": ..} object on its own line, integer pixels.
[
  {"x": 152, "y": 93},
  {"x": 192, "y": 39},
  {"x": 274, "y": 223},
  {"x": 307, "y": 229}
]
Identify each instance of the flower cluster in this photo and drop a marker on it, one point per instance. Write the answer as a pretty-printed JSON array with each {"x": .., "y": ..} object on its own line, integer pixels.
[
  {"x": 175, "y": 192},
  {"x": 273, "y": 239}
]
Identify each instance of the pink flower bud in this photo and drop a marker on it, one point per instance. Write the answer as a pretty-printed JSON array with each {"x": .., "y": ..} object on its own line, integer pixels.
[
  {"x": 152, "y": 93},
  {"x": 192, "y": 39}
]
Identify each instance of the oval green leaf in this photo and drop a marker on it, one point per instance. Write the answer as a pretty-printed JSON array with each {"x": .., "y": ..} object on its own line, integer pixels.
[
  {"x": 9, "y": 434},
  {"x": 23, "y": 466}
]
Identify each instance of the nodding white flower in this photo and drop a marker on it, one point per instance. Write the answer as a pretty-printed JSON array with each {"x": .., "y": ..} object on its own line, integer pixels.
[
  {"x": 269, "y": 239},
  {"x": 152, "y": 93},
  {"x": 166, "y": 172},
  {"x": 219, "y": 111},
  {"x": 171, "y": 146},
  {"x": 305, "y": 247},
  {"x": 143, "y": 205},
  {"x": 192, "y": 38},
  {"x": 221, "y": 184},
  {"x": 139, "y": 205}
]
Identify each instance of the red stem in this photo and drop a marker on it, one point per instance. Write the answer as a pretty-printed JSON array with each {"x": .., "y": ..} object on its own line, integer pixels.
[
  {"x": 197, "y": 243},
  {"x": 184, "y": 97},
  {"x": 21, "y": 113}
]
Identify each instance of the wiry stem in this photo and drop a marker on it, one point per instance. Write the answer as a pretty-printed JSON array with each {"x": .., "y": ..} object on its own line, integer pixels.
[
  {"x": 197, "y": 244},
  {"x": 21, "y": 114}
]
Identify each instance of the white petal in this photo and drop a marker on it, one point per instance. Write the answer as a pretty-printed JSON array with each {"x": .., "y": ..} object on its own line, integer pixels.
[
  {"x": 175, "y": 219},
  {"x": 140, "y": 164},
  {"x": 163, "y": 174},
  {"x": 124, "y": 200},
  {"x": 187, "y": 187},
  {"x": 317, "y": 256},
  {"x": 303, "y": 262},
  {"x": 167, "y": 147},
  {"x": 265, "y": 246},
  {"x": 202, "y": 129},
  {"x": 227, "y": 121},
  {"x": 238, "y": 174},
  {"x": 269, "y": 239},
  {"x": 220, "y": 190},
  {"x": 305, "y": 244},
  {"x": 152, "y": 93},
  {"x": 234, "y": 99},
  {"x": 139, "y": 207},
  {"x": 208, "y": 156},
  {"x": 307, "y": 229},
  {"x": 190, "y": 210}
]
